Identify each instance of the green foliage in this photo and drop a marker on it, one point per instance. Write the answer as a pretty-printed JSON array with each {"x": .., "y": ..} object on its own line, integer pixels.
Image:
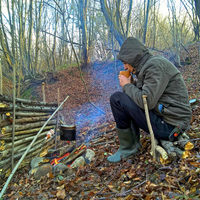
[
  {"x": 65, "y": 66},
  {"x": 29, "y": 94}
]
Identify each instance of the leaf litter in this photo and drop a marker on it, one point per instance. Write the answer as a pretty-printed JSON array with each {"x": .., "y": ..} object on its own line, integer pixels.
[{"x": 139, "y": 177}]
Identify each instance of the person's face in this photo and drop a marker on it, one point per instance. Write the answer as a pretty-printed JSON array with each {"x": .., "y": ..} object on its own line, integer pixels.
[{"x": 129, "y": 68}]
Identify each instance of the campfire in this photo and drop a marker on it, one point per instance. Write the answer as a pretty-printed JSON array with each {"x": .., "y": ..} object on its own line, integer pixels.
[{"x": 69, "y": 156}]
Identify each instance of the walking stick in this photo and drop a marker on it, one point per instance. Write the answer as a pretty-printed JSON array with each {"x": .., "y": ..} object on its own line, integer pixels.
[
  {"x": 154, "y": 146},
  {"x": 153, "y": 142}
]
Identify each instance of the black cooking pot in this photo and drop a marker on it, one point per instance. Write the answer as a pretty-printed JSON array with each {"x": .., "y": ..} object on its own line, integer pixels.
[{"x": 68, "y": 132}]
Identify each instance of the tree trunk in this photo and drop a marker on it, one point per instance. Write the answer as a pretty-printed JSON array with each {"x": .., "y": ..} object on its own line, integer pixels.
[
  {"x": 146, "y": 22},
  {"x": 30, "y": 36},
  {"x": 1, "y": 81},
  {"x": 54, "y": 42},
  {"x": 197, "y": 6},
  {"x": 111, "y": 24},
  {"x": 128, "y": 18},
  {"x": 38, "y": 26},
  {"x": 83, "y": 18}
]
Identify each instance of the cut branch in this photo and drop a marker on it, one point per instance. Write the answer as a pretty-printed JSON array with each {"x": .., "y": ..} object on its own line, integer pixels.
[
  {"x": 32, "y": 130},
  {"x": 8, "y": 129}
]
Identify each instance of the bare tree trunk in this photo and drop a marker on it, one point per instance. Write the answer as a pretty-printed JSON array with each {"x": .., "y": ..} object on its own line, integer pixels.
[
  {"x": 114, "y": 29},
  {"x": 82, "y": 10},
  {"x": 54, "y": 42},
  {"x": 154, "y": 24},
  {"x": 38, "y": 26},
  {"x": 30, "y": 35},
  {"x": 1, "y": 80},
  {"x": 4, "y": 41},
  {"x": 129, "y": 18},
  {"x": 22, "y": 16},
  {"x": 197, "y": 6},
  {"x": 146, "y": 22}
]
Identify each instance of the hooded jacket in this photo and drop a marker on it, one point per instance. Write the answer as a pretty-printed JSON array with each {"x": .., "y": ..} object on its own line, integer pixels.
[{"x": 160, "y": 80}]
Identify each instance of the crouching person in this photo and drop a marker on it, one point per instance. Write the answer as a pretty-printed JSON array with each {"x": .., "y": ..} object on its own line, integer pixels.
[{"x": 167, "y": 98}]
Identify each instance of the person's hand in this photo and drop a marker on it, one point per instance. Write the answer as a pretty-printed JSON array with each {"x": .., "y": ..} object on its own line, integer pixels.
[{"x": 123, "y": 80}]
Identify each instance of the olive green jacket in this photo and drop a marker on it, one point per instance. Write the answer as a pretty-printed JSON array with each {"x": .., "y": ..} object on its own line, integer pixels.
[{"x": 160, "y": 80}]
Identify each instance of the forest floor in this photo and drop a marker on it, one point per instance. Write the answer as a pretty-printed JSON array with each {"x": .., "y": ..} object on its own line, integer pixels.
[{"x": 139, "y": 177}]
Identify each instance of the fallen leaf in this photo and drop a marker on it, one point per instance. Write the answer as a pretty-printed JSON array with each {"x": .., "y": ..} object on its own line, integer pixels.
[
  {"x": 20, "y": 193},
  {"x": 189, "y": 146},
  {"x": 162, "y": 161},
  {"x": 61, "y": 194},
  {"x": 61, "y": 187},
  {"x": 195, "y": 164},
  {"x": 50, "y": 175},
  {"x": 186, "y": 154}
]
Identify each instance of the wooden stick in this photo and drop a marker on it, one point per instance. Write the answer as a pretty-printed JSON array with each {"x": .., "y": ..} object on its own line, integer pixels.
[
  {"x": 23, "y": 156},
  {"x": 43, "y": 91},
  {"x": 73, "y": 157},
  {"x": 24, "y": 140},
  {"x": 153, "y": 143},
  {"x": 57, "y": 121}
]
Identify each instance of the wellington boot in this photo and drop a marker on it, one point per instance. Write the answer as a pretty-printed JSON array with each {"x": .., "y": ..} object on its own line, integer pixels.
[{"x": 129, "y": 145}]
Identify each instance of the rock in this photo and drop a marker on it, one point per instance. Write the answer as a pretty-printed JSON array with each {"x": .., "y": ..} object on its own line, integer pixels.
[
  {"x": 60, "y": 167},
  {"x": 42, "y": 171},
  {"x": 89, "y": 154},
  {"x": 80, "y": 161},
  {"x": 33, "y": 171},
  {"x": 35, "y": 162},
  {"x": 61, "y": 194}
]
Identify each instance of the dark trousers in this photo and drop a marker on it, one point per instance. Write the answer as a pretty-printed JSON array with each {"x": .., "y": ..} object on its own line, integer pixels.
[{"x": 127, "y": 113}]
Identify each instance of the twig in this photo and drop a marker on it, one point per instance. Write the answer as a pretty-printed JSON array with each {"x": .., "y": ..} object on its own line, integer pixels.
[
  {"x": 135, "y": 186},
  {"x": 118, "y": 194},
  {"x": 187, "y": 140},
  {"x": 103, "y": 143}
]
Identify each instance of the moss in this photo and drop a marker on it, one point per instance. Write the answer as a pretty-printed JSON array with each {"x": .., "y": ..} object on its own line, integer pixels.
[
  {"x": 65, "y": 66},
  {"x": 29, "y": 94}
]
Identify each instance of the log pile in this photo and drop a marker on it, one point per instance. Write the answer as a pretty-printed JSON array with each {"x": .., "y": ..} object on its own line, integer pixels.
[{"x": 30, "y": 116}]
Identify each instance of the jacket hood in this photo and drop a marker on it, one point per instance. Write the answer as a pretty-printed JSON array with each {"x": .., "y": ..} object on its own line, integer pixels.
[{"x": 134, "y": 53}]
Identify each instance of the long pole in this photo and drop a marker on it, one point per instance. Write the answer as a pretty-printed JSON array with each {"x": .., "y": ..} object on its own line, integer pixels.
[
  {"x": 13, "y": 123},
  {"x": 57, "y": 121},
  {"x": 21, "y": 159}
]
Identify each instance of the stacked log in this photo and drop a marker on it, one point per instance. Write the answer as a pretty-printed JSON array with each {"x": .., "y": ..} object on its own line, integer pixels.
[{"x": 30, "y": 116}]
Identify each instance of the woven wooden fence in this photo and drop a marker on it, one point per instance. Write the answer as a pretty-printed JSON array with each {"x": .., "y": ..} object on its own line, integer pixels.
[{"x": 30, "y": 116}]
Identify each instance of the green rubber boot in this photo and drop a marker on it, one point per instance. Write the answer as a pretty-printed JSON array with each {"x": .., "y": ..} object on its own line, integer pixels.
[{"x": 129, "y": 145}]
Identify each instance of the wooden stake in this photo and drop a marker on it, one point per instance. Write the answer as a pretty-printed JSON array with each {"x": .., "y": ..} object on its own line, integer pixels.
[
  {"x": 57, "y": 121},
  {"x": 43, "y": 91}
]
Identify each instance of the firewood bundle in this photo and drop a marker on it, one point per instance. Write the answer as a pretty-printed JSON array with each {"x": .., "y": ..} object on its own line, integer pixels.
[{"x": 30, "y": 116}]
